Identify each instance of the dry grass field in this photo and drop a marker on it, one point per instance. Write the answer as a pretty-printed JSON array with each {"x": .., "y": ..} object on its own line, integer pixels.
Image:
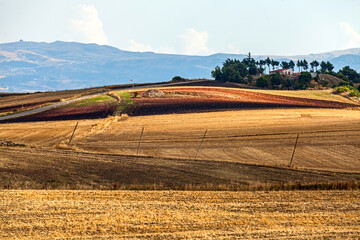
[
  {"x": 328, "y": 95},
  {"x": 179, "y": 215}
]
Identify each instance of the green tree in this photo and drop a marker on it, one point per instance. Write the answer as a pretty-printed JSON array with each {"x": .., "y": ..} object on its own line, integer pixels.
[
  {"x": 285, "y": 65},
  {"x": 350, "y": 73},
  {"x": 268, "y": 63},
  {"x": 292, "y": 65},
  {"x": 314, "y": 64},
  {"x": 262, "y": 64},
  {"x": 323, "y": 67},
  {"x": 217, "y": 74},
  {"x": 305, "y": 65},
  {"x": 276, "y": 64},
  {"x": 276, "y": 79},
  {"x": 304, "y": 80},
  {"x": 286, "y": 83},
  {"x": 232, "y": 71},
  {"x": 299, "y": 64},
  {"x": 252, "y": 69},
  {"x": 329, "y": 66},
  {"x": 262, "y": 82},
  {"x": 249, "y": 58},
  {"x": 231, "y": 74}
]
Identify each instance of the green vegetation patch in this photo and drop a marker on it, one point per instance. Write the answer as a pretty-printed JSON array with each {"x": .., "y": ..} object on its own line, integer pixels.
[
  {"x": 353, "y": 92},
  {"x": 125, "y": 104},
  {"x": 92, "y": 101},
  {"x": 126, "y": 97}
]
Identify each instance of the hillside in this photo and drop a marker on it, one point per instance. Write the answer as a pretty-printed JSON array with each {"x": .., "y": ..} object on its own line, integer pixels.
[
  {"x": 178, "y": 99},
  {"x": 329, "y": 80},
  {"x": 35, "y": 66},
  {"x": 249, "y": 140}
]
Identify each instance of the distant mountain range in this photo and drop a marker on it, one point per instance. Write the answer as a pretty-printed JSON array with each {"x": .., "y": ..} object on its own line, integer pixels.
[{"x": 39, "y": 66}]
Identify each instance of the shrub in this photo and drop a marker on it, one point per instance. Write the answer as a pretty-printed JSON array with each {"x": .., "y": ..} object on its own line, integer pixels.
[
  {"x": 177, "y": 79},
  {"x": 287, "y": 83},
  {"x": 353, "y": 92},
  {"x": 262, "y": 82},
  {"x": 276, "y": 79},
  {"x": 304, "y": 81}
]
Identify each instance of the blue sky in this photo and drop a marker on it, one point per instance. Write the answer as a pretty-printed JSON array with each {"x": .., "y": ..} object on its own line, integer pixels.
[{"x": 194, "y": 27}]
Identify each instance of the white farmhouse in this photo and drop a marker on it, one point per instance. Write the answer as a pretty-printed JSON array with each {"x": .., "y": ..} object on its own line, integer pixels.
[{"x": 283, "y": 71}]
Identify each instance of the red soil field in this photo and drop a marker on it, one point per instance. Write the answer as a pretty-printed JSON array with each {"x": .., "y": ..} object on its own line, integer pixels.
[
  {"x": 218, "y": 99},
  {"x": 186, "y": 100}
]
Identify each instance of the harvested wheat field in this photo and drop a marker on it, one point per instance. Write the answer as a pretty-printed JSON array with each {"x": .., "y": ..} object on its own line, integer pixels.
[
  {"x": 179, "y": 214},
  {"x": 329, "y": 138}
]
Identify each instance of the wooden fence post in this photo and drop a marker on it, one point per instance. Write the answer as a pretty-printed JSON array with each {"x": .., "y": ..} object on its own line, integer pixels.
[
  {"x": 200, "y": 144},
  {"x": 138, "y": 150},
  {"x": 292, "y": 157},
  {"x": 73, "y": 133}
]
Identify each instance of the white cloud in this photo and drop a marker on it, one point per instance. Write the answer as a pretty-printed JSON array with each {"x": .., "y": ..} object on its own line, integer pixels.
[
  {"x": 353, "y": 36},
  {"x": 191, "y": 43},
  {"x": 195, "y": 43},
  {"x": 233, "y": 49},
  {"x": 90, "y": 25},
  {"x": 141, "y": 47}
]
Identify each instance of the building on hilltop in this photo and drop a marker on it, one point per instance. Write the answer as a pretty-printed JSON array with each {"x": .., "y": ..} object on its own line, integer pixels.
[{"x": 283, "y": 71}]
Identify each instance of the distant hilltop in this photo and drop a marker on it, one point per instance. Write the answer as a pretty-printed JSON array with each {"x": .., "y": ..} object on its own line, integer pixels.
[{"x": 39, "y": 66}]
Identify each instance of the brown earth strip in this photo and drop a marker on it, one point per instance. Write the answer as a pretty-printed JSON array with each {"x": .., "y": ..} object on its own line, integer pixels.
[{"x": 38, "y": 168}]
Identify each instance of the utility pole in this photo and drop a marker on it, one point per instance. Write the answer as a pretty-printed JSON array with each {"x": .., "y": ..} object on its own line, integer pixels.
[
  {"x": 138, "y": 150},
  {"x": 73, "y": 133},
  {"x": 292, "y": 157},
  {"x": 200, "y": 144}
]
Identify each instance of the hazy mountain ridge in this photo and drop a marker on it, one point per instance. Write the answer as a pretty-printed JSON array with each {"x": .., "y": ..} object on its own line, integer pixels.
[{"x": 38, "y": 66}]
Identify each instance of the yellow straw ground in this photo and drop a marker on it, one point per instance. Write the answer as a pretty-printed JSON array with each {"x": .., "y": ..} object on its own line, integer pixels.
[{"x": 179, "y": 214}]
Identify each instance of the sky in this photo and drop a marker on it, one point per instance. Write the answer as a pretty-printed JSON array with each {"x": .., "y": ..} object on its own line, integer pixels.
[{"x": 191, "y": 27}]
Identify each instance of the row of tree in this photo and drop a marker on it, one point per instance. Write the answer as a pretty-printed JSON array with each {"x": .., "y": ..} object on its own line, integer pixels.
[{"x": 234, "y": 70}]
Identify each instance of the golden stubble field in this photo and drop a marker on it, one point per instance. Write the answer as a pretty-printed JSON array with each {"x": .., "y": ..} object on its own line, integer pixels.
[
  {"x": 45, "y": 214},
  {"x": 329, "y": 138}
]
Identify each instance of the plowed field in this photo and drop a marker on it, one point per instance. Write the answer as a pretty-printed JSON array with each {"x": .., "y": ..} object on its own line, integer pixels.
[
  {"x": 219, "y": 99},
  {"x": 188, "y": 100}
]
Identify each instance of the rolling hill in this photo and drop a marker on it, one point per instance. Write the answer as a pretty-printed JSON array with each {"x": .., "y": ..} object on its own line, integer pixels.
[{"x": 39, "y": 66}]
